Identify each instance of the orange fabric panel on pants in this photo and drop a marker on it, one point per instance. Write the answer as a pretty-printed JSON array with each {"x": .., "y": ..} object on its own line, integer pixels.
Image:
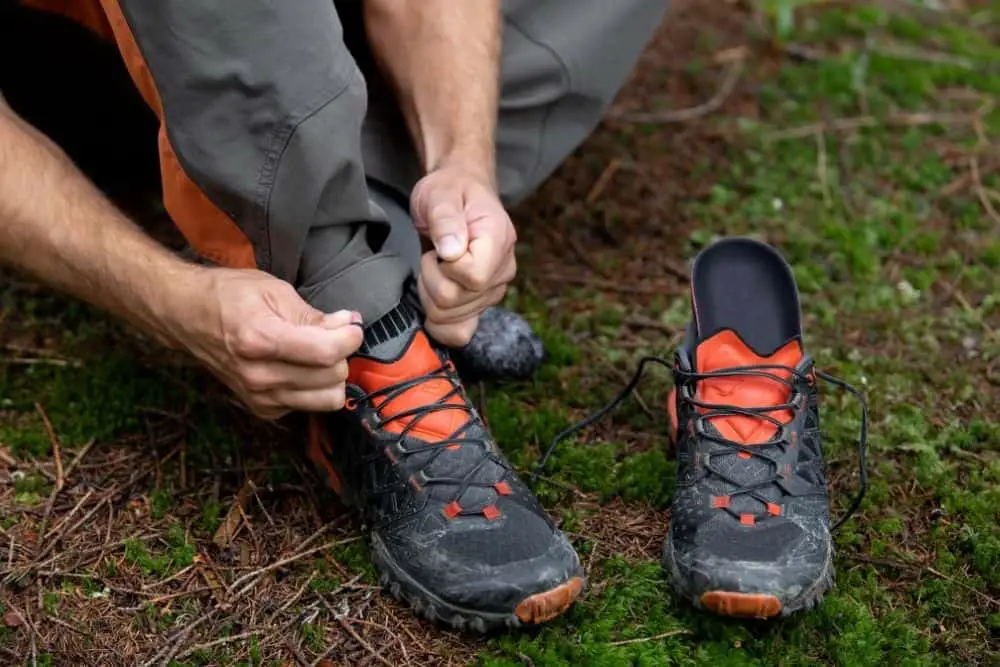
[
  {"x": 87, "y": 13},
  {"x": 212, "y": 233}
]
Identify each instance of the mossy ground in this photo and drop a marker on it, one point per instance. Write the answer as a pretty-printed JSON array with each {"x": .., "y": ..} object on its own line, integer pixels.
[{"x": 891, "y": 225}]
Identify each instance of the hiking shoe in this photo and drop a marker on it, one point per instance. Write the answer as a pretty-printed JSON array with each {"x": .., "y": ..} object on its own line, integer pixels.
[
  {"x": 750, "y": 522},
  {"x": 452, "y": 529}
]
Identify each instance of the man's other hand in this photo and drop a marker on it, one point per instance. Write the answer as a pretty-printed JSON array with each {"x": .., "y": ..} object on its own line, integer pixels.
[
  {"x": 269, "y": 346},
  {"x": 473, "y": 259}
]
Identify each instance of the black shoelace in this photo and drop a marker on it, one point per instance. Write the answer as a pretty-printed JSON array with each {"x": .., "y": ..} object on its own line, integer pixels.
[
  {"x": 714, "y": 410},
  {"x": 446, "y": 372}
]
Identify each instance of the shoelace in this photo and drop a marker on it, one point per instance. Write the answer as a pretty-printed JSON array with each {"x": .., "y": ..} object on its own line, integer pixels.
[
  {"x": 445, "y": 372},
  {"x": 714, "y": 410}
]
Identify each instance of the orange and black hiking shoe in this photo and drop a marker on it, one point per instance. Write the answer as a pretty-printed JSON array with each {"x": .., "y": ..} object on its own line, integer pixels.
[
  {"x": 453, "y": 531},
  {"x": 750, "y": 523}
]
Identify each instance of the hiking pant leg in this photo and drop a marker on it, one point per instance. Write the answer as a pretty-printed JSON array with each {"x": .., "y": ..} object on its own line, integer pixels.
[{"x": 261, "y": 106}]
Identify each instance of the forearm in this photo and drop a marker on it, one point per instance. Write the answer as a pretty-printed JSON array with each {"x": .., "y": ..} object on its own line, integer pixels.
[
  {"x": 59, "y": 228},
  {"x": 443, "y": 57}
]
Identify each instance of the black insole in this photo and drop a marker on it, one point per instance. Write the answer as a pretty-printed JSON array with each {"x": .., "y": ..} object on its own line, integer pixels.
[{"x": 746, "y": 286}]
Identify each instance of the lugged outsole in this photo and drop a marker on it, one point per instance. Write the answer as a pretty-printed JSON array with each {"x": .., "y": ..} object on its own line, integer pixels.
[
  {"x": 535, "y": 609},
  {"x": 748, "y": 605}
]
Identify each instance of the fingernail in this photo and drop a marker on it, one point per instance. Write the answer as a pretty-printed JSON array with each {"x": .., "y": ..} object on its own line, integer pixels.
[
  {"x": 356, "y": 318},
  {"x": 449, "y": 247}
]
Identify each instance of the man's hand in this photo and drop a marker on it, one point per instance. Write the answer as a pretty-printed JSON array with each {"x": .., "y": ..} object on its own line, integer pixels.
[
  {"x": 270, "y": 347},
  {"x": 443, "y": 58},
  {"x": 473, "y": 258}
]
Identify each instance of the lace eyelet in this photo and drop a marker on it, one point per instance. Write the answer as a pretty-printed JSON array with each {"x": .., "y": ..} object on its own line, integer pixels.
[{"x": 351, "y": 404}]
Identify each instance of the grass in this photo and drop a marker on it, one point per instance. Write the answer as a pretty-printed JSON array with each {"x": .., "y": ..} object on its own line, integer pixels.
[{"x": 897, "y": 258}]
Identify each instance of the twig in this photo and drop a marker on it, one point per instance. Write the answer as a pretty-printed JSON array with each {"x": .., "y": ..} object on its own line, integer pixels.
[
  {"x": 292, "y": 600},
  {"x": 663, "y": 635},
  {"x": 256, "y": 574},
  {"x": 351, "y": 631},
  {"x": 916, "y": 569},
  {"x": 167, "y": 653},
  {"x": 732, "y": 76},
  {"x": 69, "y": 516},
  {"x": 602, "y": 181},
  {"x": 218, "y": 642},
  {"x": 260, "y": 504},
  {"x": 993, "y": 601},
  {"x": 893, "y": 120},
  {"x": 34, "y": 361},
  {"x": 640, "y": 322},
  {"x": 54, "y": 441},
  {"x": 821, "y": 166},
  {"x": 981, "y": 192},
  {"x": 175, "y": 575},
  {"x": 79, "y": 457},
  {"x": 965, "y": 180},
  {"x": 296, "y": 653}
]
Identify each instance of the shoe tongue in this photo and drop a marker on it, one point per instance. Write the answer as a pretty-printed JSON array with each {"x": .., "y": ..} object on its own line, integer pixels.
[
  {"x": 397, "y": 351},
  {"x": 725, "y": 350}
]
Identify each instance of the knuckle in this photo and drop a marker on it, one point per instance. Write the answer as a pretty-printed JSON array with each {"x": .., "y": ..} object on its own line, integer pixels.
[
  {"x": 328, "y": 357},
  {"x": 256, "y": 379},
  {"x": 250, "y": 343},
  {"x": 449, "y": 295},
  {"x": 341, "y": 371},
  {"x": 478, "y": 281}
]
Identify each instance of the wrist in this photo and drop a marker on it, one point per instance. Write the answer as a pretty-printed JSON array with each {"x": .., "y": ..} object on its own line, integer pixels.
[
  {"x": 479, "y": 164},
  {"x": 182, "y": 310}
]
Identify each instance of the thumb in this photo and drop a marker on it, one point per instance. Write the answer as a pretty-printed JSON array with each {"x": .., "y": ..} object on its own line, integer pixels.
[
  {"x": 341, "y": 318},
  {"x": 448, "y": 230}
]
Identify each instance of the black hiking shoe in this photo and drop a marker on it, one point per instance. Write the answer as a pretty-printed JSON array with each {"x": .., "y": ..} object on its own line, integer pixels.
[
  {"x": 453, "y": 531},
  {"x": 750, "y": 524}
]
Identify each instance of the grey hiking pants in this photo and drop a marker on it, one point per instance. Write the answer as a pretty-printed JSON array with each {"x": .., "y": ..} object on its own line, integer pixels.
[{"x": 280, "y": 147}]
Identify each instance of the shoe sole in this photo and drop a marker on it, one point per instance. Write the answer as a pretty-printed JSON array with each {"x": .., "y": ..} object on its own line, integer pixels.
[
  {"x": 747, "y": 605},
  {"x": 535, "y": 609}
]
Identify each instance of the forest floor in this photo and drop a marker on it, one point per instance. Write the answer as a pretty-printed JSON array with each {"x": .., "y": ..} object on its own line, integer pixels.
[{"x": 145, "y": 518}]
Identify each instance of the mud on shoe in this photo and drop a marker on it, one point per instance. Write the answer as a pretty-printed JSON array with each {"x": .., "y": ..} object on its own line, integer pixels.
[
  {"x": 750, "y": 523},
  {"x": 452, "y": 529},
  {"x": 750, "y": 531}
]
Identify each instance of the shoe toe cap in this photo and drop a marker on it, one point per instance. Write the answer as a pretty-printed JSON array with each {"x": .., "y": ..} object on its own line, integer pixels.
[
  {"x": 781, "y": 565},
  {"x": 489, "y": 567}
]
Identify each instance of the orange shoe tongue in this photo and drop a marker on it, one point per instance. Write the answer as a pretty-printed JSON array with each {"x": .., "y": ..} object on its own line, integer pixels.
[
  {"x": 725, "y": 350},
  {"x": 419, "y": 359}
]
